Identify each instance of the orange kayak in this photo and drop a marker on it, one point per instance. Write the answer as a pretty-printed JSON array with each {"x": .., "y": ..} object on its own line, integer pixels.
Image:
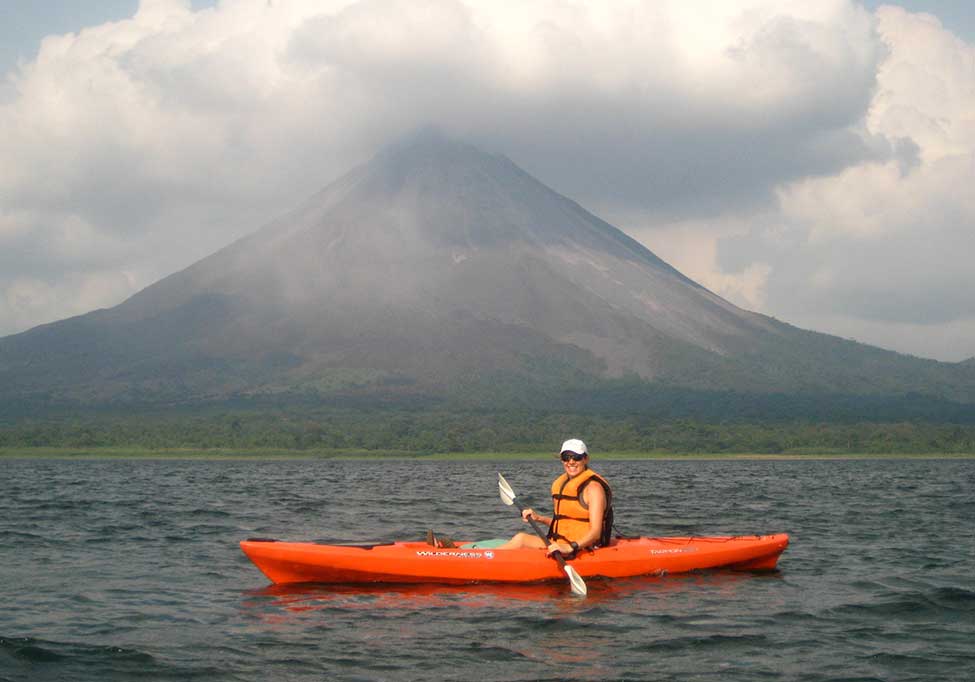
[{"x": 418, "y": 562}]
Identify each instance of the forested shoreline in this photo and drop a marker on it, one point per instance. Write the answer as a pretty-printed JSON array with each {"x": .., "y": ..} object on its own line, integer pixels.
[{"x": 450, "y": 432}]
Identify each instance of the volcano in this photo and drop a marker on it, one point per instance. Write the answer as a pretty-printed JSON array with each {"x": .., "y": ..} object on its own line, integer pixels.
[{"x": 437, "y": 269}]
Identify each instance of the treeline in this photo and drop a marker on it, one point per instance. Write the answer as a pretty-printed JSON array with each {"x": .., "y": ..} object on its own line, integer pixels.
[{"x": 515, "y": 431}]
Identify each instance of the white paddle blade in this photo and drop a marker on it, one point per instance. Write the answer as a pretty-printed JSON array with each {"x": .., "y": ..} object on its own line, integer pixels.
[
  {"x": 507, "y": 494},
  {"x": 576, "y": 582}
]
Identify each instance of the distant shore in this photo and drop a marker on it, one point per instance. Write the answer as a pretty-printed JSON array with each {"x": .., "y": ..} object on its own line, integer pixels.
[{"x": 279, "y": 454}]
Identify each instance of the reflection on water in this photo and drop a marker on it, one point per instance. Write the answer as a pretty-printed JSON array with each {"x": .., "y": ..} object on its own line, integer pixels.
[{"x": 667, "y": 592}]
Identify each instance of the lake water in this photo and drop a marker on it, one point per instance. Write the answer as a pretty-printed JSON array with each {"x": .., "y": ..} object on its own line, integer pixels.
[{"x": 118, "y": 570}]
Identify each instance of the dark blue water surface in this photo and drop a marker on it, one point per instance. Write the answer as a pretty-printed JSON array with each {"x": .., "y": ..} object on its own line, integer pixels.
[{"x": 117, "y": 570}]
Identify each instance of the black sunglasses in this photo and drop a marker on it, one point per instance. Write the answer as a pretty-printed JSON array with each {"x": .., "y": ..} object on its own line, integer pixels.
[{"x": 574, "y": 456}]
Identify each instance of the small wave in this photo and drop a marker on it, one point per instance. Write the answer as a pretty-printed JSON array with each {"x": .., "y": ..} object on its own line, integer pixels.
[
  {"x": 33, "y": 650},
  {"x": 956, "y": 598},
  {"x": 496, "y": 653},
  {"x": 10, "y": 536},
  {"x": 915, "y": 604},
  {"x": 793, "y": 617},
  {"x": 46, "y": 659},
  {"x": 207, "y": 513},
  {"x": 27, "y": 649},
  {"x": 932, "y": 666},
  {"x": 895, "y": 659},
  {"x": 715, "y": 641}
]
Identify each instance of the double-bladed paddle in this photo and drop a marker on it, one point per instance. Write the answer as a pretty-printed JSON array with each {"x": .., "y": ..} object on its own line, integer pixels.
[{"x": 509, "y": 498}]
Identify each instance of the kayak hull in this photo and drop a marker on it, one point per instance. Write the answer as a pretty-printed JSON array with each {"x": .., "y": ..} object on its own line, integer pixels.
[{"x": 417, "y": 562}]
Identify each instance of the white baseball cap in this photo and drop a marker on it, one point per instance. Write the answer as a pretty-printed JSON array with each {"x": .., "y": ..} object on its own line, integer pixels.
[{"x": 574, "y": 445}]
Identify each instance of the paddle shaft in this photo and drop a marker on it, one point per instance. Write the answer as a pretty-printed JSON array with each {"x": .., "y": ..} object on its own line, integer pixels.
[
  {"x": 538, "y": 531},
  {"x": 509, "y": 498}
]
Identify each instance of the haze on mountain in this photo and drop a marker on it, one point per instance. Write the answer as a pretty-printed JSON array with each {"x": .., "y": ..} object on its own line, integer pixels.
[{"x": 437, "y": 271}]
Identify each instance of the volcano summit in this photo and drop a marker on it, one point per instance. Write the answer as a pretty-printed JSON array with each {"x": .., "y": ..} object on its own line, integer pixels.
[{"x": 435, "y": 267}]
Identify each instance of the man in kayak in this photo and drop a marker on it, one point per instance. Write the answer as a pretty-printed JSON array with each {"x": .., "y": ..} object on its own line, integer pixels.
[{"x": 583, "y": 513}]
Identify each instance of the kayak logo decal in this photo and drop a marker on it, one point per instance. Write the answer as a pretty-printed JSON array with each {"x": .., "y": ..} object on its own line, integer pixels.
[
  {"x": 676, "y": 550},
  {"x": 454, "y": 555}
]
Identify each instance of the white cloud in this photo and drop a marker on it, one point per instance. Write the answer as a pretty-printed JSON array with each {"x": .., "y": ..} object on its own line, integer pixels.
[
  {"x": 767, "y": 136},
  {"x": 881, "y": 250},
  {"x": 692, "y": 246},
  {"x": 901, "y": 241},
  {"x": 28, "y": 302}
]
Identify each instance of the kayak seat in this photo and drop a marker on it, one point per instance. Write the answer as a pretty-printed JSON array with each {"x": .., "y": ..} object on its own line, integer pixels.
[{"x": 493, "y": 543}]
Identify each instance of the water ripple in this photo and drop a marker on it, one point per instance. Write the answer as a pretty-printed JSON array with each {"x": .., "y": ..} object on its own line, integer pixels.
[{"x": 122, "y": 569}]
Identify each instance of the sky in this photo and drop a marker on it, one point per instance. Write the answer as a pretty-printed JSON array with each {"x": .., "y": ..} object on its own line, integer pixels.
[{"x": 813, "y": 161}]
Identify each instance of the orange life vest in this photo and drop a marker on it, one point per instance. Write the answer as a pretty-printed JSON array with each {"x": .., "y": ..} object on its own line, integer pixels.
[{"x": 570, "y": 520}]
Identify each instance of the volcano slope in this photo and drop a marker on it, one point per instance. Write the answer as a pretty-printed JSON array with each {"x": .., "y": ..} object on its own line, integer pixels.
[{"x": 437, "y": 272}]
